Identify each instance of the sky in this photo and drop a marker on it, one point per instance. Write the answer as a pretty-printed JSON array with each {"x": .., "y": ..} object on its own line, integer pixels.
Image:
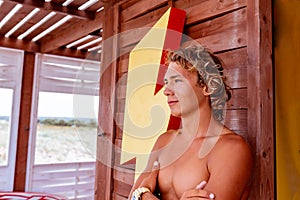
[
  {"x": 5, "y": 101},
  {"x": 56, "y": 105}
]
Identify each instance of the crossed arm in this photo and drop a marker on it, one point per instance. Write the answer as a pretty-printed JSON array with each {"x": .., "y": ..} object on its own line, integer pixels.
[{"x": 230, "y": 167}]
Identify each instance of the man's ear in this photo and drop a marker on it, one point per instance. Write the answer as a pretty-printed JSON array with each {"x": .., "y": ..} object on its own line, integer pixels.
[{"x": 205, "y": 91}]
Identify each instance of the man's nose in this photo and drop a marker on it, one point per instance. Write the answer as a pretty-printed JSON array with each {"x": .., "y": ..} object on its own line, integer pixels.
[{"x": 168, "y": 91}]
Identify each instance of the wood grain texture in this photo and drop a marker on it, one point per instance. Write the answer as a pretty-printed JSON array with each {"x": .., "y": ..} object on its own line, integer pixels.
[
  {"x": 140, "y": 8},
  {"x": 104, "y": 163},
  {"x": 260, "y": 97},
  {"x": 240, "y": 33},
  {"x": 24, "y": 122}
]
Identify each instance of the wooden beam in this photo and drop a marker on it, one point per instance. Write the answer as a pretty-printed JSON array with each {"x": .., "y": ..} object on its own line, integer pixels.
[
  {"x": 72, "y": 33},
  {"x": 260, "y": 97},
  {"x": 106, "y": 129},
  {"x": 76, "y": 54},
  {"x": 24, "y": 122},
  {"x": 66, "y": 10},
  {"x": 19, "y": 44}
]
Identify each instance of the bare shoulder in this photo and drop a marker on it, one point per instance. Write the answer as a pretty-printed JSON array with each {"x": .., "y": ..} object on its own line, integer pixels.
[
  {"x": 233, "y": 140},
  {"x": 233, "y": 146},
  {"x": 230, "y": 165}
]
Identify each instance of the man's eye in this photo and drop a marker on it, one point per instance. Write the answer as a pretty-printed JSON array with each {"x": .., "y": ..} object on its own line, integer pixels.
[{"x": 178, "y": 80}]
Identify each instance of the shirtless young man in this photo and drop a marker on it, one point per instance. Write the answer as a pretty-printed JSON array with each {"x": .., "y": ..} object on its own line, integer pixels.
[{"x": 204, "y": 159}]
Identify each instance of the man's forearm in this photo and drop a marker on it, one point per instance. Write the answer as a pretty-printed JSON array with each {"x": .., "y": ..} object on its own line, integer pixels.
[{"x": 149, "y": 196}]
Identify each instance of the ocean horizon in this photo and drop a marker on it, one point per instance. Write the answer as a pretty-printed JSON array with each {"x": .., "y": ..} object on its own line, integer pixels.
[{"x": 6, "y": 118}]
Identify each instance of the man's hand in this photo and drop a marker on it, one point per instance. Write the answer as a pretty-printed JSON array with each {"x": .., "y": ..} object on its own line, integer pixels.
[
  {"x": 150, "y": 181},
  {"x": 198, "y": 193}
]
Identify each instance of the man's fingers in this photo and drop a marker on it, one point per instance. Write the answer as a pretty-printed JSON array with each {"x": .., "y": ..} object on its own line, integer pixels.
[
  {"x": 155, "y": 166},
  {"x": 197, "y": 193},
  {"x": 201, "y": 185},
  {"x": 155, "y": 169},
  {"x": 151, "y": 179}
]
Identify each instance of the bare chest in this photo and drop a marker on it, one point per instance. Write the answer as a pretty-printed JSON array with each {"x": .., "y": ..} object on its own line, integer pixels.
[{"x": 180, "y": 172}]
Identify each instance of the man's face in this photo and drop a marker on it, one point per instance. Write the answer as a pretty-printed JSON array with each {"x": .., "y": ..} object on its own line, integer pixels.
[{"x": 184, "y": 94}]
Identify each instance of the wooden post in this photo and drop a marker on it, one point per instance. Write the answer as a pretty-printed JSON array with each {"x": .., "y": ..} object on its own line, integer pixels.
[
  {"x": 260, "y": 97},
  {"x": 106, "y": 129},
  {"x": 24, "y": 122}
]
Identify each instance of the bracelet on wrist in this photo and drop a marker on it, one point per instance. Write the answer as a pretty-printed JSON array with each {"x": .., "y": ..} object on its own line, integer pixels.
[{"x": 137, "y": 193}]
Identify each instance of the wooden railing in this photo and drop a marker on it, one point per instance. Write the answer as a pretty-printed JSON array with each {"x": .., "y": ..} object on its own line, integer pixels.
[{"x": 72, "y": 180}]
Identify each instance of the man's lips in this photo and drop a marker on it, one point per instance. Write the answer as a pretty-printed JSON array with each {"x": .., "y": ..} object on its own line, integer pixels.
[{"x": 171, "y": 102}]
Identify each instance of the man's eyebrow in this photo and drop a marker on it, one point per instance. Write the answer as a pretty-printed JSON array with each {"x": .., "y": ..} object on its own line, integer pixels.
[
  {"x": 175, "y": 76},
  {"x": 172, "y": 77}
]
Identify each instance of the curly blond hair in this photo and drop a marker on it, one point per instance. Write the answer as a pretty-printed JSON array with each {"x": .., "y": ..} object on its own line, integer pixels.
[{"x": 210, "y": 74}]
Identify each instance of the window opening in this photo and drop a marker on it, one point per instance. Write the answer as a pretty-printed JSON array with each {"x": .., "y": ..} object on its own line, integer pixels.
[
  {"x": 62, "y": 135},
  {"x": 5, "y": 116}
]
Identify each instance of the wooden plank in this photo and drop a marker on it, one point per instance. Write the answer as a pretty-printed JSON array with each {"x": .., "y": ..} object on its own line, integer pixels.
[
  {"x": 19, "y": 44},
  {"x": 82, "y": 75},
  {"x": 67, "y": 182},
  {"x": 236, "y": 78},
  {"x": 140, "y": 8},
  {"x": 124, "y": 175},
  {"x": 209, "y": 9},
  {"x": 7, "y": 75},
  {"x": 71, "y": 62},
  {"x": 104, "y": 155},
  {"x": 71, "y": 69},
  {"x": 260, "y": 97},
  {"x": 62, "y": 175},
  {"x": 78, "y": 178},
  {"x": 236, "y": 58},
  {"x": 6, "y": 57},
  {"x": 59, "y": 188},
  {"x": 48, "y": 81},
  {"x": 6, "y": 7},
  {"x": 55, "y": 183},
  {"x": 123, "y": 64},
  {"x": 82, "y": 189},
  {"x": 74, "y": 53},
  {"x": 218, "y": 25},
  {"x": 14, "y": 20},
  {"x": 118, "y": 197},
  {"x": 7, "y": 84},
  {"x": 236, "y": 120},
  {"x": 120, "y": 109},
  {"x": 82, "y": 28},
  {"x": 24, "y": 122},
  {"x": 54, "y": 19},
  {"x": 70, "y": 90},
  {"x": 146, "y": 20},
  {"x": 121, "y": 188},
  {"x": 60, "y": 166},
  {"x": 118, "y": 144},
  {"x": 73, "y": 11},
  {"x": 76, "y": 3},
  {"x": 129, "y": 38},
  {"x": 121, "y": 92},
  {"x": 92, "y": 37},
  {"x": 119, "y": 132},
  {"x": 238, "y": 100},
  {"x": 126, "y": 50},
  {"x": 235, "y": 38},
  {"x": 33, "y": 20}
]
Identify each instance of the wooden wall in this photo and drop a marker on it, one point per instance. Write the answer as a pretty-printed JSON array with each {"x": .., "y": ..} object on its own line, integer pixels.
[{"x": 240, "y": 32}]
